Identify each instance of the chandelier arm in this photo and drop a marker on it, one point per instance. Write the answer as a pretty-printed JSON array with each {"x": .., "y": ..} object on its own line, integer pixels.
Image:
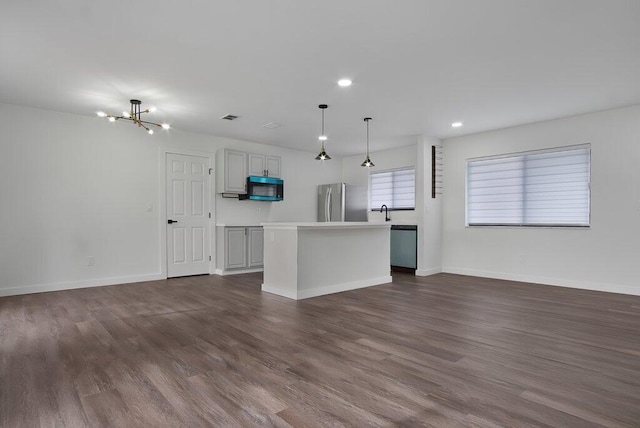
[
  {"x": 137, "y": 121},
  {"x": 151, "y": 123}
]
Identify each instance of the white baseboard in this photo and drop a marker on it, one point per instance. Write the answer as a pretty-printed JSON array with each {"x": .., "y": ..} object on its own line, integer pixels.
[
  {"x": 59, "y": 286},
  {"x": 328, "y": 289},
  {"x": 345, "y": 286},
  {"x": 238, "y": 271},
  {"x": 279, "y": 291},
  {"x": 559, "y": 282},
  {"x": 427, "y": 272}
]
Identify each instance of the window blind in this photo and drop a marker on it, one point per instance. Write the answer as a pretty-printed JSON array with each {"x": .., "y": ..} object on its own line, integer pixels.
[
  {"x": 541, "y": 188},
  {"x": 395, "y": 189}
]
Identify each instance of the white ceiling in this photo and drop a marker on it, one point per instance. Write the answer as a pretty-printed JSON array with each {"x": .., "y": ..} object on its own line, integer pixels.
[{"x": 417, "y": 65}]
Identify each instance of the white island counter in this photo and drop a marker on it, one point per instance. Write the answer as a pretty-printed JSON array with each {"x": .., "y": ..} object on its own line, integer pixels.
[{"x": 303, "y": 260}]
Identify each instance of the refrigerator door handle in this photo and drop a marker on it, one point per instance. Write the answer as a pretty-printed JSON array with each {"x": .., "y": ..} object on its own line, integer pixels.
[{"x": 327, "y": 206}]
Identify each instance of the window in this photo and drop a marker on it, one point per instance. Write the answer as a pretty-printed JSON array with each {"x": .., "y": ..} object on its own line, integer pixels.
[
  {"x": 540, "y": 188},
  {"x": 395, "y": 189}
]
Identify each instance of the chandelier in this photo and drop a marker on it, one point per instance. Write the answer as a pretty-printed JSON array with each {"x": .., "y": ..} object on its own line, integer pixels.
[{"x": 135, "y": 116}]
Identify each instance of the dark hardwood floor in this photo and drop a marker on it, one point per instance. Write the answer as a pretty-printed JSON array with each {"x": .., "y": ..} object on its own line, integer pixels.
[{"x": 440, "y": 351}]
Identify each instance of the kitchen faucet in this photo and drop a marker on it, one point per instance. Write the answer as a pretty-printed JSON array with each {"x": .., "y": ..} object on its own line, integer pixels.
[{"x": 386, "y": 212}]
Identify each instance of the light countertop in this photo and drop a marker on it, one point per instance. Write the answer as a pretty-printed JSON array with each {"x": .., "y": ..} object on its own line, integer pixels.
[{"x": 321, "y": 225}]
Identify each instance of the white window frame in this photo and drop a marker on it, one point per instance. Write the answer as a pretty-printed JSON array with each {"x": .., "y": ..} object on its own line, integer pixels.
[
  {"x": 395, "y": 170},
  {"x": 571, "y": 225}
]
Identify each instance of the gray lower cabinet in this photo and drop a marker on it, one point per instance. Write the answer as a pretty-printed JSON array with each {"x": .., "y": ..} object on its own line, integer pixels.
[
  {"x": 243, "y": 247},
  {"x": 255, "y": 246},
  {"x": 235, "y": 247}
]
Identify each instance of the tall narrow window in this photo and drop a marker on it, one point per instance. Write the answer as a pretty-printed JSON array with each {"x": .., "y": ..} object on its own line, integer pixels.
[
  {"x": 395, "y": 189},
  {"x": 538, "y": 188}
]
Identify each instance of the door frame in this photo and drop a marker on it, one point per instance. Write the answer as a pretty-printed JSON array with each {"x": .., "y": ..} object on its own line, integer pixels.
[{"x": 162, "y": 197}]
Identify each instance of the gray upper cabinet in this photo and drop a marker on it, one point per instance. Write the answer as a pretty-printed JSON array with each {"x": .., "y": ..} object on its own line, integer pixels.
[
  {"x": 232, "y": 172},
  {"x": 233, "y": 168},
  {"x": 262, "y": 165},
  {"x": 272, "y": 164},
  {"x": 257, "y": 165}
]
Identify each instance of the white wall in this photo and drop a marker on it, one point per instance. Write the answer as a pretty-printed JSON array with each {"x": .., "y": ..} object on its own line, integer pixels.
[
  {"x": 605, "y": 257},
  {"x": 77, "y": 186}
]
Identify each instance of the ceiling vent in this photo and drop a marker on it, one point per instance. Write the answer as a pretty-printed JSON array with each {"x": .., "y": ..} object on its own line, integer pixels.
[
  {"x": 271, "y": 125},
  {"x": 229, "y": 117}
]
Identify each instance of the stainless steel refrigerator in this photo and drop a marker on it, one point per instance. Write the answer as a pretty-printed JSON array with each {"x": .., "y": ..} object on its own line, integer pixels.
[{"x": 342, "y": 202}]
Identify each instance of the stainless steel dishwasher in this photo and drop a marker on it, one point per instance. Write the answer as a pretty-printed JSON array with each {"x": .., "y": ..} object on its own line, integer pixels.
[{"x": 404, "y": 247}]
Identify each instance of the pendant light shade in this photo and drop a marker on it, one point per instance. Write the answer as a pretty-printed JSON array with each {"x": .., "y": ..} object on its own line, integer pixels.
[
  {"x": 323, "y": 153},
  {"x": 367, "y": 162}
]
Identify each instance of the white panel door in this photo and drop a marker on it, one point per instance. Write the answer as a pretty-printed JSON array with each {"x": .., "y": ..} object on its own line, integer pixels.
[{"x": 187, "y": 215}]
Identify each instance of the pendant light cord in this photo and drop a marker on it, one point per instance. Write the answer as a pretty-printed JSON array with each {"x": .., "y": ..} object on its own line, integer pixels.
[
  {"x": 323, "y": 128},
  {"x": 367, "y": 138}
]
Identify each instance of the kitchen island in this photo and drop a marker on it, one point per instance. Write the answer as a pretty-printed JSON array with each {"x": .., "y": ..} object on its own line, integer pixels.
[{"x": 303, "y": 260}]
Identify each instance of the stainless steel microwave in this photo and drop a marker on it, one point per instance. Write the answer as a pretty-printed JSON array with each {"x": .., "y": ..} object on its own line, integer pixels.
[{"x": 265, "y": 188}]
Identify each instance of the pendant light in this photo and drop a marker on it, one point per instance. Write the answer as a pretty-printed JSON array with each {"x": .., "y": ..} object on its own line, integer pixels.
[
  {"x": 367, "y": 162},
  {"x": 323, "y": 154}
]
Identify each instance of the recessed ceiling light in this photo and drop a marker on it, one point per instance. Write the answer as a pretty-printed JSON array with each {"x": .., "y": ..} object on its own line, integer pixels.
[
  {"x": 344, "y": 82},
  {"x": 456, "y": 124}
]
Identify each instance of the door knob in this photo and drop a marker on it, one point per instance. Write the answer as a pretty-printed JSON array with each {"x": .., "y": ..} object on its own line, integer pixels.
[{"x": 172, "y": 221}]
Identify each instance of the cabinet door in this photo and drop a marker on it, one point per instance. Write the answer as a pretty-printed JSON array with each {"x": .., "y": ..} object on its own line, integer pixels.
[
  {"x": 272, "y": 165},
  {"x": 235, "y": 247},
  {"x": 256, "y": 246},
  {"x": 257, "y": 165},
  {"x": 235, "y": 171}
]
